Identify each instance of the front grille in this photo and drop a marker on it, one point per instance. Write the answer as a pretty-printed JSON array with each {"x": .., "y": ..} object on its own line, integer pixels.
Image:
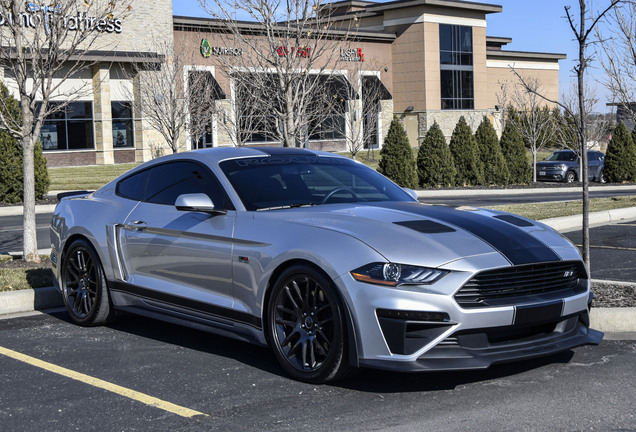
[{"x": 523, "y": 284}]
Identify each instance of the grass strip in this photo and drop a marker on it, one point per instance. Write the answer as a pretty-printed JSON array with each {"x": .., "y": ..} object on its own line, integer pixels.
[
  {"x": 14, "y": 279},
  {"x": 86, "y": 177},
  {"x": 547, "y": 210}
]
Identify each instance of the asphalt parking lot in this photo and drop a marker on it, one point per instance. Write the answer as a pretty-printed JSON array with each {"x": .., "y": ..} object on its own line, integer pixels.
[
  {"x": 172, "y": 378},
  {"x": 612, "y": 251}
]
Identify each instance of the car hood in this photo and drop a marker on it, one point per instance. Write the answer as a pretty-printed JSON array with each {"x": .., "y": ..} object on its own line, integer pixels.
[
  {"x": 551, "y": 163},
  {"x": 414, "y": 233}
]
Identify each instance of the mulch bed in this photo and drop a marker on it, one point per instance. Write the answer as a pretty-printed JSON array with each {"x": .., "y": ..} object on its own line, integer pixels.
[{"x": 18, "y": 263}]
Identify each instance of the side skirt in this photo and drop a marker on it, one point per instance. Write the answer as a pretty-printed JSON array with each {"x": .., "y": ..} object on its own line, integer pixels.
[{"x": 187, "y": 312}]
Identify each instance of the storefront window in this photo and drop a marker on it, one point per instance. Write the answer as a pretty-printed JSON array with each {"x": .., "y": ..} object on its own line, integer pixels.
[
  {"x": 122, "y": 124},
  {"x": 70, "y": 128},
  {"x": 456, "y": 64}
]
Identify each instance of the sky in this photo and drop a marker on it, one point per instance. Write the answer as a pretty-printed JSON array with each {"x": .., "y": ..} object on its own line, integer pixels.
[{"x": 533, "y": 25}]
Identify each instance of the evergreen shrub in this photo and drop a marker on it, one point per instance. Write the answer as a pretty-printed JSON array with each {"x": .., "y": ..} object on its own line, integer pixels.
[
  {"x": 396, "y": 157},
  {"x": 435, "y": 166},
  {"x": 463, "y": 147}
]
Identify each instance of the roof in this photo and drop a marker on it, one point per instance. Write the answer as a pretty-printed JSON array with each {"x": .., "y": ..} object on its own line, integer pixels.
[
  {"x": 248, "y": 27},
  {"x": 526, "y": 55},
  {"x": 456, "y": 4}
]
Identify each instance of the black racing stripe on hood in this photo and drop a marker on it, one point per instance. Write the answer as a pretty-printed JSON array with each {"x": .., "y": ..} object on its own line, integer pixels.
[
  {"x": 515, "y": 244},
  {"x": 515, "y": 220},
  {"x": 426, "y": 226}
]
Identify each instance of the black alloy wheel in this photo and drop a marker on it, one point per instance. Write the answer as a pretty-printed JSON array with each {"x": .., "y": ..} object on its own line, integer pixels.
[
  {"x": 84, "y": 286},
  {"x": 306, "y": 326}
]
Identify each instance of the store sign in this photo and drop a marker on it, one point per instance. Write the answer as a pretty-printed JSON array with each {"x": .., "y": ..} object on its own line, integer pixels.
[
  {"x": 37, "y": 15},
  {"x": 208, "y": 50},
  {"x": 351, "y": 54},
  {"x": 293, "y": 51}
]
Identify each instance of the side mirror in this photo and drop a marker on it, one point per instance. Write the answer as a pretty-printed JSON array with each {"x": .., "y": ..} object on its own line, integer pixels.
[
  {"x": 197, "y": 202},
  {"x": 411, "y": 192}
]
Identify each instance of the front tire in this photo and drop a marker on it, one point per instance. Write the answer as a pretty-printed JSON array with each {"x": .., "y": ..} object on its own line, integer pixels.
[
  {"x": 84, "y": 285},
  {"x": 306, "y": 326},
  {"x": 570, "y": 177}
]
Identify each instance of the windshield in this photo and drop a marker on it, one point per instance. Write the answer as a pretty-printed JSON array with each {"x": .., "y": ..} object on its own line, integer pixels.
[
  {"x": 294, "y": 181},
  {"x": 562, "y": 157}
]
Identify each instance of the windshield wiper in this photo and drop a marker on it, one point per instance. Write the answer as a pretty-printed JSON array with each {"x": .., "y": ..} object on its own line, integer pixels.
[{"x": 288, "y": 206}]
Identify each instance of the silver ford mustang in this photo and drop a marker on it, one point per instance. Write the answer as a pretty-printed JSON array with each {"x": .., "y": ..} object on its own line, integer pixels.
[{"x": 321, "y": 258}]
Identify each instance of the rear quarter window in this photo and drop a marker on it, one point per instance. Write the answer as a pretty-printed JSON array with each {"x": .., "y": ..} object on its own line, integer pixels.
[{"x": 134, "y": 186}]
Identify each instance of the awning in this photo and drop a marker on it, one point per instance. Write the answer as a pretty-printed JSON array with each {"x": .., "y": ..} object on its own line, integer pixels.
[
  {"x": 212, "y": 86},
  {"x": 371, "y": 85}
]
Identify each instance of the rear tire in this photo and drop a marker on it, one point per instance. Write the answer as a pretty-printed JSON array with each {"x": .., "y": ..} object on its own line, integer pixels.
[
  {"x": 84, "y": 285},
  {"x": 601, "y": 177},
  {"x": 306, "y": 326}
]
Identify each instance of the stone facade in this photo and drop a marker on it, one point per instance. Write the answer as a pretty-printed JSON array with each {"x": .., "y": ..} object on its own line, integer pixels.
[{"x": 447, "y": 120}]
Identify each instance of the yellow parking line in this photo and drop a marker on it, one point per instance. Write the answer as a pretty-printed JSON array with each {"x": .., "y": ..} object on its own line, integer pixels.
[
  {"x": 96, "y": 382},
  {"x": 611, "y": 247}
]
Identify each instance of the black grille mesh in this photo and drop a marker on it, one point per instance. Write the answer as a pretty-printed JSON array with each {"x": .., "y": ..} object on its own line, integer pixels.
[{"x": 510, "y": 285}]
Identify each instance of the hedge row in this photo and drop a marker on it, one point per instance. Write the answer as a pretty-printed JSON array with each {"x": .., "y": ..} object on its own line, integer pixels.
[{"x": 469, "y": 159}]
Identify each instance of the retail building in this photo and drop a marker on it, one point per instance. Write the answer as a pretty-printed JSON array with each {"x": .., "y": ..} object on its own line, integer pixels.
[{"x": 431, "y": 59}]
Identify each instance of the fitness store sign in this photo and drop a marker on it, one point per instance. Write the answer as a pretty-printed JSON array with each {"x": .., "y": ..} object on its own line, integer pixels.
[{"x": 37, "y": 15}]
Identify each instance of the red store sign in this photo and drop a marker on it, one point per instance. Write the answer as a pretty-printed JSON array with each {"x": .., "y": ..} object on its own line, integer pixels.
[{"x": 293, "y": 51}]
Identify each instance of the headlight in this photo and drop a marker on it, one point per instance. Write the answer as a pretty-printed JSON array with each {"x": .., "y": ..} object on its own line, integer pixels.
[
  {"x": 391, "y": 274},
  {"x": 563, "y": 166}
]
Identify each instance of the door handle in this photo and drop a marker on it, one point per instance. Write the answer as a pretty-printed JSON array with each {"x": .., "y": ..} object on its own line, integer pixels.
[{"x": 137, "y": 225}]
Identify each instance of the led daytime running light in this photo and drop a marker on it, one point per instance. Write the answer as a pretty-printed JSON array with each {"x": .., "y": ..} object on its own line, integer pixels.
[{"x": 392, "y": 274}]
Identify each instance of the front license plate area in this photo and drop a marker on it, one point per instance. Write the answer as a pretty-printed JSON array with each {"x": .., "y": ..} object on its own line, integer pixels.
[
  {"x": 541, "y": 173},
  {"x": 537, "y": 314}
]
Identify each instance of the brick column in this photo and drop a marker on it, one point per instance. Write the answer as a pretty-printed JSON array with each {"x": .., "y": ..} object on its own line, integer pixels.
[{"x": 102, "y": 115}]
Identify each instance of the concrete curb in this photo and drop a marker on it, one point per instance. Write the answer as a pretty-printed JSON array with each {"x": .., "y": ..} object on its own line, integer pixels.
[
  {"x": 19, "y": 210},
  {"x": 424, "y": 193},
  {"x": 613, "y": 320},
  {"x": 608, "y": 320},
  {"x": 29, "y": 300},
  {"x": 605, "y": 217}
]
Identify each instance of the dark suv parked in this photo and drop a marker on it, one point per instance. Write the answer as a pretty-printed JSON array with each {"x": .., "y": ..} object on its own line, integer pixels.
[{"x": 563, "y": 165}]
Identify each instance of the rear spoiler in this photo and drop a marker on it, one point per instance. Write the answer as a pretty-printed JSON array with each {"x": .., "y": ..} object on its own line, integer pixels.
[{"x": 72, "y": 193}]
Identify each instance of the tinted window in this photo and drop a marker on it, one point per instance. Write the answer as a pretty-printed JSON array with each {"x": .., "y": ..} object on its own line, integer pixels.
[
  {"x": 307, "y": 180},
  {"x": 134, "y": 187},
  {"x": 170, "y": 180}
]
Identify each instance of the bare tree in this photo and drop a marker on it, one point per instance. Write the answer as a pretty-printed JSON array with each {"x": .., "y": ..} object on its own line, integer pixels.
[
  {"x": 288, "y": 51},
  {"x": 534, "y": 119},
  {"x": 617, "y": 54},
  {"x": 582, "y": 29},
  {"x": 42, "y": 47},
  {"x": 169, "y": 98},
  {"x": 503, "y": 100},
  {"x": 355, "y": 108},
  {"x": 599, "y": 126}
]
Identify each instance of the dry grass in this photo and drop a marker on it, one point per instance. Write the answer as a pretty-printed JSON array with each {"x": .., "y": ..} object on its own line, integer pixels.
[{"x": 13, "y": 279}]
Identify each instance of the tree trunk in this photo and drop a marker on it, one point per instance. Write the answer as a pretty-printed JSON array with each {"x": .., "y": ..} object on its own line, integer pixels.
[
  {"x": 30, "y": 248},
  {"x": 583, "y": 143}
]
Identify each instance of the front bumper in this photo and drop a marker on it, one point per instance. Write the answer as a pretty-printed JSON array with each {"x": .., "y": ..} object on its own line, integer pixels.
[
  {"x": 481, "y": 348},
  {"x": 424, "y": 329}
]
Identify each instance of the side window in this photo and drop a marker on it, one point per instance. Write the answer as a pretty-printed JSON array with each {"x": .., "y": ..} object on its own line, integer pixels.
[
  {"x": 170, "y": 180},
  {"x": 134, "y": 187},
  {"x": 592, "y": 156}
]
